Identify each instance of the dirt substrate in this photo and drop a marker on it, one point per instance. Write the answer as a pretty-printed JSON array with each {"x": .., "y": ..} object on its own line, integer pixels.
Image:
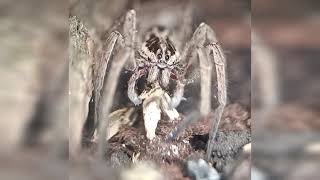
[{"x": 130, "y": 144}]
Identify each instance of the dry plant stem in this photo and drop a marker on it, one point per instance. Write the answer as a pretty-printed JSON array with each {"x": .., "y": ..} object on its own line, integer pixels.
[{"x": 215, "y": 52}]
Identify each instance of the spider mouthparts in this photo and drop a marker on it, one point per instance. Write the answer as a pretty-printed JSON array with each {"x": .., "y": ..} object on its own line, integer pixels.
[{"x": 162, "y": 65}]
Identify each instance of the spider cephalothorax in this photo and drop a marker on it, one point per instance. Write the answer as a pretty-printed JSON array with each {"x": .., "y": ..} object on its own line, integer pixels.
[{"x": 158, "y": 60}]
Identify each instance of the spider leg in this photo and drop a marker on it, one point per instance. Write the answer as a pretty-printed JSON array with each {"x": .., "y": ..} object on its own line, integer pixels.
[
  {"x": 205, "y": 82},
  {"x": 198, "y": 44},
  {"x": 195, "y": 45},
  {"x": 153, "y": 74},
  {"x": 102, "y": 66},
  {"x": 132, "y": 94},
  {"x": 99, "y": 69},
  {"x": 209, "y": 52},
  {"x": 178, "y": 94},
  {"x": 130, "y": 38},
  {"x": 214, "y": 51},
  {"x": 108, "y": 94},
  {"x": 184, "y": 31},
  {"x": 110, "y": 83}
]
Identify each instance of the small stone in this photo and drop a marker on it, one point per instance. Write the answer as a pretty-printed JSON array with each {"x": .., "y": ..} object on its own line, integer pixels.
[
  {"x": 200, "y": 170},
  {"x": 174, "y": 149}
]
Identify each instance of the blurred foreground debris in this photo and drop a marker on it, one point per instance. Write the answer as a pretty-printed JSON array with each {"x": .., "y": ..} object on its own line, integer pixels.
[
  {"x": 80, "y": 82},
  {"x": 34, "y": 81},
  {"x": 200, "y": 170}
]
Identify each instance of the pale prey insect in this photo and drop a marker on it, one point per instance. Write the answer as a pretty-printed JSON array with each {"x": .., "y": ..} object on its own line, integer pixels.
[{"x": 158, "y": 59}]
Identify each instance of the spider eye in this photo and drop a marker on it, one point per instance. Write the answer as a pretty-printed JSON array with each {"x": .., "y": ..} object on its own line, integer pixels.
[
  {"x": 159, "y": 56},
  {"x": 167, "y": 57}
]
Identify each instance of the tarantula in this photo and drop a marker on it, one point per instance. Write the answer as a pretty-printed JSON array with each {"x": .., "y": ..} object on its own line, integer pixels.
[{"x": 158, "y": 59}]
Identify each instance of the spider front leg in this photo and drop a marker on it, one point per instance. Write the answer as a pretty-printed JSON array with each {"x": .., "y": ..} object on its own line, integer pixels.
[
  {"x": 125, "y": 53},
  {"x": 211, "y": 54},
  {"x": 214, "y": 51},
  {"x": 205, "y": 45}
]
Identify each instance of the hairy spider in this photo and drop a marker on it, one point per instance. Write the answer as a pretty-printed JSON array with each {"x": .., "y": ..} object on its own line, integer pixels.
[{"x": 158, "y": 59}]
